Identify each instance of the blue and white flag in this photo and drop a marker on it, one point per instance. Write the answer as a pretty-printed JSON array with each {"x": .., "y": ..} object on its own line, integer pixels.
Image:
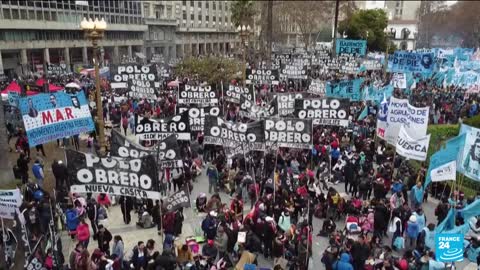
[
  {"x": 403, "y": 61},
  {"x": 345, "y": 89},
  {"x": 469, "y": 164},
  {"x": 441, "y": 167},
  {"x": 48, "y": 117}
]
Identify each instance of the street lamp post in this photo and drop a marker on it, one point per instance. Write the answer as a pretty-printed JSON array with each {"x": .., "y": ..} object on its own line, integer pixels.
[
  {"x": 390, "y": 35},
  {"x": 94, "y": 31},
  {"x": 244, "y": 31}
]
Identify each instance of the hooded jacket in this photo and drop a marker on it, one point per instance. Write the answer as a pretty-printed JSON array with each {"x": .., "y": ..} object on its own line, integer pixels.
[{"x": 343, "y": 263}]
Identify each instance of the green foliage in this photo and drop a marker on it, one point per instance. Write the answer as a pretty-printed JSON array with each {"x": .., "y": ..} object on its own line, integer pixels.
[
  {"x": 243, "y": 12},
  {"x": 438, "y": 135},
  {"x": 473, "y": 122},
  {"x": 373, "y": 22},
  {"x": 212, "y": 70}
]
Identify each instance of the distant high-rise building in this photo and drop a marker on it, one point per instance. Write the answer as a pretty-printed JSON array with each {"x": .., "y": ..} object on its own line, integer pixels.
[
  {"x": 402, "y": 10},
  {"x": 204, "y": 27}
]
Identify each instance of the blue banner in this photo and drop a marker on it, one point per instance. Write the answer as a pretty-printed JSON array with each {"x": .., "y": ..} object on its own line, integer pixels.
[
  {"x": 377, "y": 94},
  {"x": 345, "y": 89},
  {"x": 403, "y": 61},
  {"x": 350, "y": 46},
  {"x": 48, "y": 117}
]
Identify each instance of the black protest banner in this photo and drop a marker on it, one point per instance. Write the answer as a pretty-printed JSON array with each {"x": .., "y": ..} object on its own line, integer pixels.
[
  {"x": 167, "y": 150},
  {"x": 286, "y": 103},
  {"x": 142, "y": 89},
  {"x": 251, "y": 110},
  {"x": 113, "y": 175},
  {"x": 255, "y": 136},
  {"x": 197, "y": 115},
  {"x": 233, "y": 93},
  {"x": 231, "y": 135},
  {"x": 262, "y": 76},
  {"x": 178, "y": 200},
  {"x": 57, "y": 69},
  {"x": 317, "y": 87},
  {"x": 287, "y": 181},
  {"x": 148, "y": 129},
  {"x": 293, "y": 133},
  {"x": 124, "y": 73},
  {"x": 323, "y": 111},
  {"x": 294, "y": 72},
  {"x": 203, "y": 95}
]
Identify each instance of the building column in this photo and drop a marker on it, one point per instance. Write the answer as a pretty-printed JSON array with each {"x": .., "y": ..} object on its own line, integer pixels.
[
  {"x": 129, "y": 49},
  {"x": 46, "y": 55},
  {"x": 1, "y": 64},
  {"x": 224, "y": 48},
  {"x": 66, "y": 53},
  {"x": 116, "y": 55},
  {"x": 85, "y": 55},
  {"x": 24, "y": 61}
]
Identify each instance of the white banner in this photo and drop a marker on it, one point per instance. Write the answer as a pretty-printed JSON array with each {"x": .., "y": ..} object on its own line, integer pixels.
[
  {"x": 400, "y": 112},
  {"x": 412, "y": 148},
  {"x": 10, "y": 200},
  {"x": 399, "y": 80},
  {"x": 444, "y": 172}
]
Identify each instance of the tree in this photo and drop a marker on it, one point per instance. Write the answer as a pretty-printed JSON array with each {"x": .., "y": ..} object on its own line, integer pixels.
[
  {"x": 369, "y": 25},
  {"x": 307, "y": 17},
  {"x": 243, "y": 12},
  {"x": 212, "y": 70}
]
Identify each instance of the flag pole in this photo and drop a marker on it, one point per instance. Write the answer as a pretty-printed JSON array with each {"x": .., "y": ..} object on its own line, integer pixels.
[{"x": 4, "y": 234}]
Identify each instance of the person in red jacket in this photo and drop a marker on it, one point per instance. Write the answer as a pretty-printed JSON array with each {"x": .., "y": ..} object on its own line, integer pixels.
[{"x": 83, "y": 233}]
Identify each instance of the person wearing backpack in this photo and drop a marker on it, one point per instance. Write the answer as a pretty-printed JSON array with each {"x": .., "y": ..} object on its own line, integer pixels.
[{"x": 37, "y": 170}]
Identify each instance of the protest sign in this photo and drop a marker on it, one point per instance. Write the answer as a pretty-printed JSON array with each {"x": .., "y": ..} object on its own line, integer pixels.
[
  {"x": 410, "y": 148},
  {"x": 13, "y": 99},
  {"x": 148, "y": 129},
  {"x": 286, "y": 102},
  {"x": 113, "y": 175},
  {"x": 400, "y": 112},
  {"x": 197, "y": 115},
  {"x": 250, "y": 109},
  {"x": 142, "y": 89},
  {"x": 285, "y": 132},
  {"x": 345, "y": 89},
  {"x": 167, "y": 151},
  {"x": 294, "y": 72},
  {"x": 403, "y": 61},
  {"x": 48, "y": 117},
  {"x": 469, "y": 163},
  {"x": 59, "y": 69},
  {"x": 350, "y": 66},
  {"x": 231, "y": 135},
  {"x": 125, "y": 72},
  {"x": 262, "y": 76},
  {"x": 10, "y": 201},
  {"x": 372, "y": 64},
  {"x": 317, "y": 87},
  {"x": 382, "y": 118},
  {"x": 178, "y": 200},
  {"x": 326, "y": 111},
  {"x": 233, "y": 93},
  {"x": 445, "y": 172},
  {"x": 349, "y": 46},
  {"x": 204, "y": 95},
  {"x": 399, "y": 80}
]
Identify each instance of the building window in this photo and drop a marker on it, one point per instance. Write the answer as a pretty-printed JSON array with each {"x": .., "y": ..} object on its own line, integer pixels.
[
  {"x": 214, "y": 5},
  {"x": 146, "y": 9},
  {"x": 192, "y": 17},
  {"x": 192, "y": 3},
  {"x": 184, "y": 3},
  {"x": 169, "y": 12},
  {"x": 214, "y": 18},
  {"x": 207, "y": 5},
  {"x": 207, "y": 18},
  {"x": 398, "y": 4},
  {"x": 199, "y": 17},
  {"x": 184, "y": 15}
]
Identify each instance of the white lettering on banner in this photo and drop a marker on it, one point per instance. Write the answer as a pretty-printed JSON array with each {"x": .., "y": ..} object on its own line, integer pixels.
[
  {"x": 400, "y": 112},
  {"x": 399, "y": 80},
  {"x": 116, "y": 190},
  {"x": 10, "y": 201},
  {"x": 326, "y": 111},
  {"x": 289, "y": 133},
  {"x": 234, "y": 92},
  {"x": 286, "y": 103},
  {"x": 444, "y": 172},
  {"x": 411, "y": 148}
]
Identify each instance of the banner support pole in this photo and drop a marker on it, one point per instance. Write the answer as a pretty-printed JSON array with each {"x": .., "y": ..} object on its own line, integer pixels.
[{"x": 4, "y": 237}]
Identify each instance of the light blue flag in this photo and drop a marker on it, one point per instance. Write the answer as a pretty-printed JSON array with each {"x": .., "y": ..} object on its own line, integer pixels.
[
  {"x": 445, "y": 155},
  {"x": 363, "y": 114},
  {"x": 471, "y": 210},
  {"x": 448, "y": 223}
]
